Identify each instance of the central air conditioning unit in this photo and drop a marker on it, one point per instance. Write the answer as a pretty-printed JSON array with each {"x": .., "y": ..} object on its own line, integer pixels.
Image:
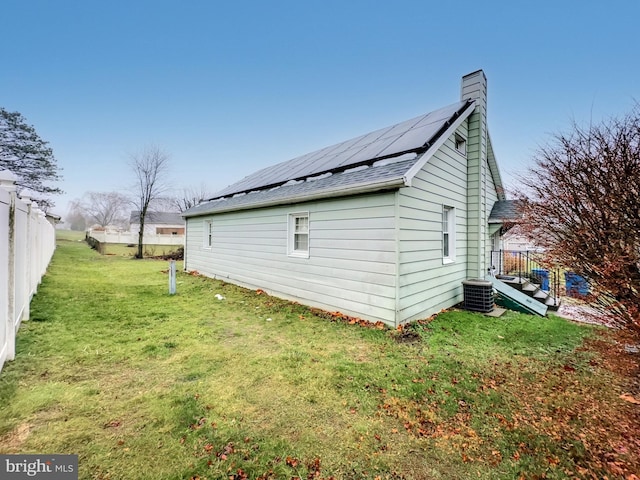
[{"x": 478, "y": 295}]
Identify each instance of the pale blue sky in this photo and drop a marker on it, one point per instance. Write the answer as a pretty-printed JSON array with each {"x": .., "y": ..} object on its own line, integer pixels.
[{"x": 227, "y": 88}]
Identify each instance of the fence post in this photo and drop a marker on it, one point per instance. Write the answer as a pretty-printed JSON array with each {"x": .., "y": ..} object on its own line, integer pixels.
[
  {"x": 8, "y": 182},
  {"x": 33, "y": 254},
  {"x": 172, "y": 277}
]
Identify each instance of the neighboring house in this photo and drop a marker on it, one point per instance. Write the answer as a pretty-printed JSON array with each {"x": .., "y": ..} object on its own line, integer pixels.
[
  {"x": 109, "y": 228},
  {"x": 158, "y": 223},
  {"x": 384, "y": 227},
  {"x": 53, "y": 219},
  {"x": 512, "y": 237},
  {"x": 516, "y": 240}
]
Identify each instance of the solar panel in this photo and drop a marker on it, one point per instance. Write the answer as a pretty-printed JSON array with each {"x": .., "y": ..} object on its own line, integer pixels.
[{"x": 402, "y": 137}]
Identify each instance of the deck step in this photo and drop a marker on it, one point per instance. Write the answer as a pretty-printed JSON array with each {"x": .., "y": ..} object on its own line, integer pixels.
[
  {"x": 541, "y": 295},
  {"x": 552, "y": 304},
  {"x": 512, "y": 280}
]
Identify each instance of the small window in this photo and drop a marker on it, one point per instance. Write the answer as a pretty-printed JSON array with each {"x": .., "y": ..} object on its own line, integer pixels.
[
  {"x": 208, "y": 233},
  {"x": 461, "y": 144},
  {"x": 299, "y": 234},
  {"x": 448, "y": 234}
]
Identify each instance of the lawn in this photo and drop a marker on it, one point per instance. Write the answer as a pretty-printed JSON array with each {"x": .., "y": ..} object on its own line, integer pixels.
[
  {"x": 121, "y": 249},
  {"x": 145, "y": 385}
]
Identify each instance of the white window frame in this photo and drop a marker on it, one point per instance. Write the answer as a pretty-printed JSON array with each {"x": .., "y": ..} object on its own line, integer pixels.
[
  {"x": 293, "y": 249},
  {"x": 208, "y": 234},
  {"x": 461, "y": 144},
  {"x": 448, "y": 234}
]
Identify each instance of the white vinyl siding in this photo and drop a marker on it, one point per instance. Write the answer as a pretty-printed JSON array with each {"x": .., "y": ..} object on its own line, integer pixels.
[
  {"x": 475, "y": 87},
  {"x": 426, "y": 283},
  {"x": 377, "y": 256},
  {"x": 351, "y": 269}
]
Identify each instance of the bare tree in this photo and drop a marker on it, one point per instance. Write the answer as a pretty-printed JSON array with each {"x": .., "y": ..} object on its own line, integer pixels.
[
  {"x": 584, "y": 206},
  {"x": 104, "y": 208},
  {"x": 192, "y": 196},
  {"x": 151, "y": 168},
  {"x": 75, "y": 217}
]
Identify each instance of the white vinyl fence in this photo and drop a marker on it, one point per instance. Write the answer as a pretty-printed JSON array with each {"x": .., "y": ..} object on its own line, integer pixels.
[
  {"x": 132, "y": 238},
  {"x": 27, "y": 242}
]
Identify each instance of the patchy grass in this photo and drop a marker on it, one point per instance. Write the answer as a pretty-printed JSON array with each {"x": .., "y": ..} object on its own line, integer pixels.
[{"x": 141, "y": 384}]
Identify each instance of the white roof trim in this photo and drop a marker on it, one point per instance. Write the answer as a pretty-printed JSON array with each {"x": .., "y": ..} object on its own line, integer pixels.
[
  {"x": 424, "y": 158},
  {"x": 364, "y": 187}
]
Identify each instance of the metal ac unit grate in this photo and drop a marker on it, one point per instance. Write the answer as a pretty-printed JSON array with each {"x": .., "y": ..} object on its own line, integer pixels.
[{"x": 478, "y": 295}]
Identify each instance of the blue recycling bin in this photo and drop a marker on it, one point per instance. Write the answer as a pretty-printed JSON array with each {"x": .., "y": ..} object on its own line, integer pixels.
[
  {"x": 576, "y": 285},
  {"x": 543, "y": 276}
]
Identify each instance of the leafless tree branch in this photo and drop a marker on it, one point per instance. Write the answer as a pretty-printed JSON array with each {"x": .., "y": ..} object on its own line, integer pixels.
[{"x": 583, "y": 206}]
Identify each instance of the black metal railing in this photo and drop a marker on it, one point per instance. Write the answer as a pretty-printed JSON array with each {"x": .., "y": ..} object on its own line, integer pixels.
[{"x": 526, "y": 266}]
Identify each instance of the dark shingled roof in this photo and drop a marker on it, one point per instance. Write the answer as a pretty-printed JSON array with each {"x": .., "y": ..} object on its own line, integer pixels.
[
  {"x": 376, "y": 161},
  {"x": 159, "y": 218},
  {"x": 505, "y": 210},
  {"x": 375, "y": 178}
]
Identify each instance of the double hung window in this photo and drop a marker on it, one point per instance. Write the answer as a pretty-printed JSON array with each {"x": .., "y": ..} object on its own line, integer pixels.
[
  {"x": 299, "y": 234},
  {"x": 208, "y": 233},
  {"x": 448, "y": 234}
]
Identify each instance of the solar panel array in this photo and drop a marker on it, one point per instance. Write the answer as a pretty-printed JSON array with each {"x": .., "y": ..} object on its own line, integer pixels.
[
  {"x": 330, "y": 185},
  {"x": 402, "y": 137}
]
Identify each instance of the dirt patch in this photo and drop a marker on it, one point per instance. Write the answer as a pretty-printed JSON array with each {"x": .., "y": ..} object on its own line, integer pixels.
[
  {"x": 12, "y": 441},
  {"x": 406, "y": 336}
]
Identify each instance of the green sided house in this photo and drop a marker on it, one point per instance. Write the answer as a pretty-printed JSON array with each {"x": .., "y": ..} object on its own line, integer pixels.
[{"x": 384, "y": 227}]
